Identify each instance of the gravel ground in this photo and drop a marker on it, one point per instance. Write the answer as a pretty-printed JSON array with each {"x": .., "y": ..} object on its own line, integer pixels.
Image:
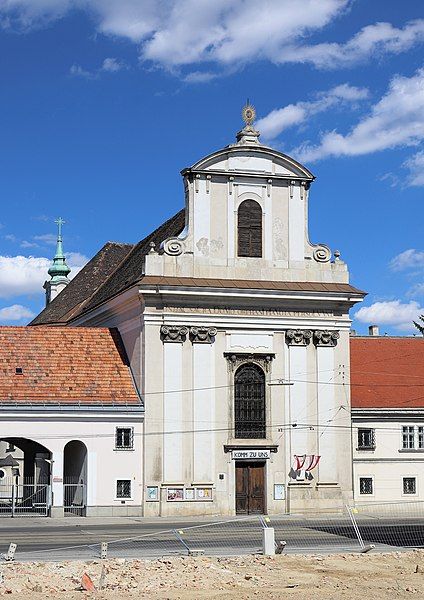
[{"x": 345, "y": 576}]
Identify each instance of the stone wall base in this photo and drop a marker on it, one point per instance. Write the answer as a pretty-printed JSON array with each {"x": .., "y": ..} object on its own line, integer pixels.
[
  {"x": 114, "y": 511},
  {"x": 312, "y": 499}
]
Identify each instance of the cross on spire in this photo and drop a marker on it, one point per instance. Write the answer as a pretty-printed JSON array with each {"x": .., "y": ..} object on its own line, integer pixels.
[{"x": 59, "y": 222}]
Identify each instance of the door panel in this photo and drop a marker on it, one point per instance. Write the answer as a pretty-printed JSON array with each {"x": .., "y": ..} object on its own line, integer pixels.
[
  {"x": 256, "y": 489},
  {"x": 242, "y": 490},
  {"x": 250, "y": 488}
]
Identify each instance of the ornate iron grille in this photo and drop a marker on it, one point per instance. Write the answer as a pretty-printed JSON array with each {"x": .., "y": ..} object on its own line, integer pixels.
[
  {"x": 249, "y": 409},
  {"x": 123, "y": 488}
]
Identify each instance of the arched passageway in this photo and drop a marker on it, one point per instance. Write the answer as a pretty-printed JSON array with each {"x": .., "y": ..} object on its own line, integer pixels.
[
  {"x": 75, "y": 478},
  {"x": 25, "y": 477}
]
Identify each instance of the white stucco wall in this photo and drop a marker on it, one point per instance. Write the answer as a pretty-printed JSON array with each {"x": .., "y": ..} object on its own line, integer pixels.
[
  {"x": 105, "y": 464},
  {"x": 389, "y": 463}
]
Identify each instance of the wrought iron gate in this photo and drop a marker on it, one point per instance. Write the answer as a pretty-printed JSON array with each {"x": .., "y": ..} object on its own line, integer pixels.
[
  {"x": 74, "y": 497},
  {"x": 24, "y": 496}
]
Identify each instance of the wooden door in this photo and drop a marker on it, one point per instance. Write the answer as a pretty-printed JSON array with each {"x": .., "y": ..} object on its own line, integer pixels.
[{"x": 250, "y": 488}]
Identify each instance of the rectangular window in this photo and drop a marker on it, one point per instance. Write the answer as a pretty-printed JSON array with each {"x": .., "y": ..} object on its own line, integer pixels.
[
  {"x": 408, "y": 437},
  {"x": 366, "y": 439},
  {"x": 124, "y": 438},
  {"x": 421, "y": 437},
  {"x": 365, "y": 485},
  {"x": 409, "y": 485},
  {"x": 123, "y": 488}
]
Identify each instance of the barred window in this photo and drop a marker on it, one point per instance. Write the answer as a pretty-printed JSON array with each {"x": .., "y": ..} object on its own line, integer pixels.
[
  {"x": 365, "y": 485},
  {"x": 409, "y": 485},
  {"x": 249, "y": 229},
  {"x": 421, "y": 437},
  {"x": 123, "y": 488},
  {"x": 249, "y": 401},
  {"x": 366, "y": 439},
  {"x": 408, "y": 441},
  {"x": 124, "y": 438}
]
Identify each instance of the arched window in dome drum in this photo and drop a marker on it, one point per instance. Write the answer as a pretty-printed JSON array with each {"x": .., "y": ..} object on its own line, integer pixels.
[
  {"x": 249, "y": 401},
  {"x": 249, "y": 229}
]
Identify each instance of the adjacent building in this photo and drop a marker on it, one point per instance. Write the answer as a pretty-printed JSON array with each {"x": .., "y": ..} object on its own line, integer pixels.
[{"x": 387, "y": 379}]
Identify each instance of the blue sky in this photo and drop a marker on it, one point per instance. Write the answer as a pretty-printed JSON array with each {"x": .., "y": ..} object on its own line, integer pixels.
[{"x": 103, "y": 102}]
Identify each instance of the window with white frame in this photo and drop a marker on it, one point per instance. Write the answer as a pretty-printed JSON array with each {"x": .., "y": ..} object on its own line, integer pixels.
[
  {"x": 366, "y": 439},
  {"x": 413, "y": 437},
  {"x": 421, "y": 437},
  {"x": 124, "y": 438},
  {"x": 409, "y": 485},
  {"x": 366, "y": 485},
  {"x": 123, "y": 488}
]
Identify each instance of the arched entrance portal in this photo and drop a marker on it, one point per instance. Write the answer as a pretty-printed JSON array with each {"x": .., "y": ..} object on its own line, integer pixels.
[
  {"x": 25, "y": 471},
  {"x": 75, "y": 478}
]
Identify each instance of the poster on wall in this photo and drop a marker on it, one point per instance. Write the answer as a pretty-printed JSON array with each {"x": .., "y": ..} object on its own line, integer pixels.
[
  {"x": 203, "y": 493},
  {"x": 175, "y": 494},
  {"x": 152, "y": 493},
  {"x": 279, "y": 491},
  {"x": 189, "y": 494}
]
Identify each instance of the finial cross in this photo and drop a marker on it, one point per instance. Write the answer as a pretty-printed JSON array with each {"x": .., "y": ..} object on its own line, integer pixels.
[{"x": 59, "y": 222}]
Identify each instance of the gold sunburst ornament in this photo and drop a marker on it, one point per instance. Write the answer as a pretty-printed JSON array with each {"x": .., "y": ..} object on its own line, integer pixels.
[{"x": 248, "y": 113}]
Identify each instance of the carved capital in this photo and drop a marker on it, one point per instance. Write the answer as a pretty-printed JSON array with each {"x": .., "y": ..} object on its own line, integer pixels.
[
  {"x": 298, "y": 337},
  {"x": 326, "y": 338},
  {"x": 173, "y": 333},
  {"x": 203, "y": 335}
]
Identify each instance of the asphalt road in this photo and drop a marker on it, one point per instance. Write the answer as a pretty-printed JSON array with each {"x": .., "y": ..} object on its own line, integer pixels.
[{"x": 45, "y": 539}]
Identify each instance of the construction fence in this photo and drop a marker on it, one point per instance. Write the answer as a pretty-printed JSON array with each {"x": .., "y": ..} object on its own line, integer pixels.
[{"x": 377, "y": 527}]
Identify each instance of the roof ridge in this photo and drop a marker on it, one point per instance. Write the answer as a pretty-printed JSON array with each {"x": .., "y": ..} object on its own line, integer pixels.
[{"x": 134, "y": 249}]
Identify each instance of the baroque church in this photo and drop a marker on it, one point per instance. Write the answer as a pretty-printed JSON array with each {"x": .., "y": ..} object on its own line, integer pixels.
[{"x": 203, "y": 370}]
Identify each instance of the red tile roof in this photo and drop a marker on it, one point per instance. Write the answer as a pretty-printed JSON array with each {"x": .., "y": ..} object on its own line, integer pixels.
[
  {"x": 68, "y": 365},
  {"x": 387, "y": 372}
]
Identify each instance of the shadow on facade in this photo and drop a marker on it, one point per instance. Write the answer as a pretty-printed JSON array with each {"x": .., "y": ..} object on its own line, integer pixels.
[{"x": 75, "y": 478}]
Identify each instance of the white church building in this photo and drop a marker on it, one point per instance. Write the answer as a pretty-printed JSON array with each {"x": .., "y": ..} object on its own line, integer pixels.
[{"x": 229, "y": 359}]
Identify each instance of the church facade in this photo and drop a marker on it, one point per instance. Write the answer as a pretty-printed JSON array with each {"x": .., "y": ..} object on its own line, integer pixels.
[{"x": 236, "y": 327}]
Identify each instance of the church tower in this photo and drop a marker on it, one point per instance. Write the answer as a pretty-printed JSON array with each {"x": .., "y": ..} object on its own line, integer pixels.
[{"x": 59, "y": 270}]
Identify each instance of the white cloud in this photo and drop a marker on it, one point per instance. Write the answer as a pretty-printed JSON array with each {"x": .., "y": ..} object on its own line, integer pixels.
[
  {"x": 415, "y": 165},
  {"x": 396, "y": 120},
  {"x": 409, "y": 259},
  {"x": 109, "y": 65},
  {"x": 10, "y": 237},
  {"x": 26, "y": 274},
  {"x": 371, "y": 41},
  {"x": 76, "y": 260},
  {"x": 199, "y": 77},
  {"x": 78, "y": 71},
  {"x": 279, "y": 119},
  {"x": 182, "y": 32},
  {"x": 416, "y": 290},
  {"x": 394, "y": 313},
  {"x": 26, "y": 244},
  {"x": 112, "y": 65},
  {"x": 47, "y": 238},
  {"x": 16, "y": 312}
]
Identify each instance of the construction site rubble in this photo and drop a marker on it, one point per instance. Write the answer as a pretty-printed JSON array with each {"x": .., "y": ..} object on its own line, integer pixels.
[{"x": 378, "y": 576}]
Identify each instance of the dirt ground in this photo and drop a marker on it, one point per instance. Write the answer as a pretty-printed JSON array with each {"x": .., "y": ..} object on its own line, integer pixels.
[{"x": 346, "y": 576}]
